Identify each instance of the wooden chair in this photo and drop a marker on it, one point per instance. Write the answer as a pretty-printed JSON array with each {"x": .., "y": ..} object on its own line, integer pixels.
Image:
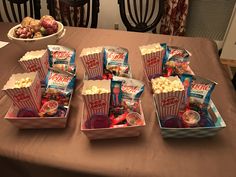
[
  {"x": 75, "y": 12},
  {"x": 141, "y": 15},
  {"x": 13, "y": 8}
]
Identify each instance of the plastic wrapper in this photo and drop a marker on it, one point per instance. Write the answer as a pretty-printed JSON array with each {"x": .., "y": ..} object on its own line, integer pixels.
[
  {"x": 131, "y": 88},
  {"x": 59, "y": 82},
  {"x": 116, "y": 60},
  {"x": 177, "y": 61},
  {"x": 200, "y": 94},
  {"x": 62, "y": 58}
]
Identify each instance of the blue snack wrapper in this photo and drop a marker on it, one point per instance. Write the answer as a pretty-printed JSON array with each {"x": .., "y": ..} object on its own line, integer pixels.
[
  {"x": 200, "y": 93},
  {"x": 62, "y": 58},
  {"x": 56, "y": 81}
]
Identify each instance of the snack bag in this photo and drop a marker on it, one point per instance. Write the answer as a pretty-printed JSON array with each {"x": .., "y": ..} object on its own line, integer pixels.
[
  {"x": 130, "y": 88},
  {"x": 116, "y": 60},
  {"x": 62, "y": 58},
  {"x": 200, "y": 93},
  {"x": 56, "y": 82},
  {"x": 177, "y": 61}
]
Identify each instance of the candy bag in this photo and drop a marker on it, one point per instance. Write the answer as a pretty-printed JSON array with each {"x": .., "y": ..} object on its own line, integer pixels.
[
  {"x": 130, "y": 88},
  {"x": 177, "y": 61},
  {"x": 200, "y": 93},
  {"x": 116, "y": 60},
  {"x": 62, "y": 58},
  {"x": 56, "y": 82}
]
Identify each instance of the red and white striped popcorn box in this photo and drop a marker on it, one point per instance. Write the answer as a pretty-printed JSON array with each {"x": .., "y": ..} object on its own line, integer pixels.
[
  {"x": 169, "y": 94},
  {"x": 97, "y": 103},
  {"x": 152, "y": 58},
  {"x": 24, "y": 97},
  {"x": 92, "y": 59},
  {"x": 168, "y": 104},
  {"x": 36, "y": 61}
]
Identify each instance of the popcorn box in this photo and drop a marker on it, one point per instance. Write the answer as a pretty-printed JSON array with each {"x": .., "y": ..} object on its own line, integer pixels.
[
  {"x": 24, "y": 97},
  {"x": 169, "y": 102},
  {"x": 152, "y": 59},
  {"x": 36, "y": 61},
  {"x": 108, "y": 133},
  {"x": 36, "y": 122},
  {"x": 97, "y": 103},
  {"x": 197, "y": 132},
  {"x": 92, "y": 59}
]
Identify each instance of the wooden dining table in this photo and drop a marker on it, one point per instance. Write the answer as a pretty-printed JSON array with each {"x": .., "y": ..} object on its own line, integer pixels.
[{"x": 68, "y": 152}]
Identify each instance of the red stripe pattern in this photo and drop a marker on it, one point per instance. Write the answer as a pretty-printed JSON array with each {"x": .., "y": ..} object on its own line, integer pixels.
[
  {"x": 93, "y": 65},
  {"x": 37, "y": 64},
  {"x": 168, "y": 104},
  {"x": 153, "y": 63}
]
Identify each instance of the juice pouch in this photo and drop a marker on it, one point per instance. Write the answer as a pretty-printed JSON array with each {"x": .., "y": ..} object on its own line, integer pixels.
[
  {"x": 200, "y": 93},
  {"x": 177, "y": 61},
  {"x": 62, "y": 58},
  {"x": 116, "y": 60}
]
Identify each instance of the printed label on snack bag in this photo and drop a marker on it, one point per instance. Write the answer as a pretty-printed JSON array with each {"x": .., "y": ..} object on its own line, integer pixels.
[
  {"x": 97, "y": 104},
  {"x": 171, "y": 101},
  {"x": 58, "y": 80},
  {"x": 130, "y": 89},
  {"x": 92, "y": 63},
  {"x": 151, "y": 62},
  {"x": 116, "y": 56},
  {"x": 21, "y": 97},
  {"x": 61, "y": 55}
]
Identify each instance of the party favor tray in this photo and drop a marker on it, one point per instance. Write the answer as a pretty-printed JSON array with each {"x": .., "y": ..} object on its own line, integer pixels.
[
  {"x": 197, "y": 132},
  {"x": 36, "y": 122},
  {"x": 108, "y": 133}
]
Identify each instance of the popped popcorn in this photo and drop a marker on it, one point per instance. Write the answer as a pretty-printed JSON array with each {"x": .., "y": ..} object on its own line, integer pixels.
[
  {"x": 23, "y": 82},
  {"x": 166, "y": 84},
  {"x": 150, "y": 48},
  {"x": 95, "y": 90}
]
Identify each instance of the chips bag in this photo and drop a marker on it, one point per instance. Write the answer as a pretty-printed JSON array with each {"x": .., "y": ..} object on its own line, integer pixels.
[
  {"x": 62, "y": 58},
  {"x": 59, "y": 82},
  {"x": 177, "y": 61},
  {"x": 130, "y": 88},
  {"x": 200, "y": 93},
  {"x": 116, "y": 60}
]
